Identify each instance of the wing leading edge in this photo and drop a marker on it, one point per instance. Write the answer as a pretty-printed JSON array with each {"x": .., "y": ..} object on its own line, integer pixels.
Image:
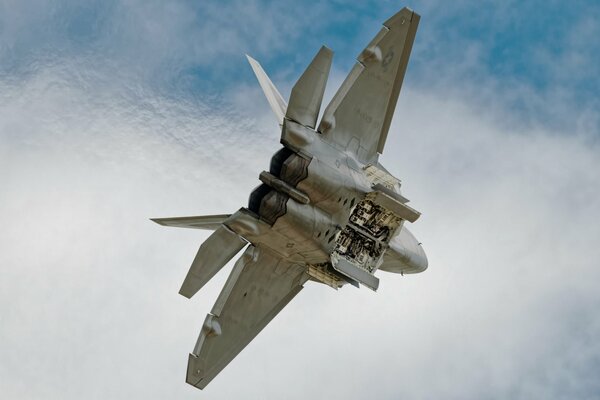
[
  {"x": 208, "y": 222},
  {"x": 359, "y": 115},
  {"x": 259, "y": 286}
]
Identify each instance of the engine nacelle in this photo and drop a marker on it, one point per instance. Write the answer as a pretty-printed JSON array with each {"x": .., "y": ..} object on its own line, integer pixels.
[
  {"x": 295, "y": 220},
  {"x": 326, "y": 185}
]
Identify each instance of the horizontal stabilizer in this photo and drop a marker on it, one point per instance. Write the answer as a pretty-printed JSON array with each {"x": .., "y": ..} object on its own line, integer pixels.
[
  {"x": 307, "y": 93},
  {"x": 278, "y": 105},
  {"x": 214, "y": 253},
  {"x": 210, "y": 222}
]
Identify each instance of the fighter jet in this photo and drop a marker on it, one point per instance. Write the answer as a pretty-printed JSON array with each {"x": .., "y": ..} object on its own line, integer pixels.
[{"x": 327, "y": 211}]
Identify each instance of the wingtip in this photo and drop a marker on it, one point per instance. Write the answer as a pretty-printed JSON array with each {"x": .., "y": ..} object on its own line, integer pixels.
[
  {"x": 326, "y": 49},
  {"x": 401, "y": 17}
]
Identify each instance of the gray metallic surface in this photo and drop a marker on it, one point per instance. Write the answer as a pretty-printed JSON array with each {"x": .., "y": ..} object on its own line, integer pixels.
[
  {"x": 405, "y": 255},
  {"x": 358, "y": 274},
  {"x": 307, "y": 93},
  {"x": 209, "y": 222},
  {"x": 397, "y": 207},
  {"x": 277, "y": 238},
  {"x": 278, "y": 105},
  {"x": 364, "y": 105},
  {"x": 216, "y": 251},
  {"x": 259, "y": 286},
  {"x": 271, "y": 180},
  {"x": 326, "y": 211}
]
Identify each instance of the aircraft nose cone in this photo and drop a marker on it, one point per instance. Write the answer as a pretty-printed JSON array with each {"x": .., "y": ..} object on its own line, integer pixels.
[
  {"x": 419, "y": 259},
  {"x": 405, "y": 255},
  {"x": 411, "y": 253}
]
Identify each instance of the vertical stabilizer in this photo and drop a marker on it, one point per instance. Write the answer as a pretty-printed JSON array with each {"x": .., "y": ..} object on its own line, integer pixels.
[
  {"x": 307, "y": 93},
  {"x": 278, "y": 105}
]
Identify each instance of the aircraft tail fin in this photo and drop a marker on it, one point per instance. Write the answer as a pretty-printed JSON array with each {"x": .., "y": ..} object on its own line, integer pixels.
[
  {"x": 278, "y": 105},
  {"x": 307, "y": 93}
]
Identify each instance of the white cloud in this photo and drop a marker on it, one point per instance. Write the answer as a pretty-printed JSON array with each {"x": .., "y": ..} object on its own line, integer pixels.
[
  {"x": 86, "y": 163},
  {"x": 507, "y": 308}
]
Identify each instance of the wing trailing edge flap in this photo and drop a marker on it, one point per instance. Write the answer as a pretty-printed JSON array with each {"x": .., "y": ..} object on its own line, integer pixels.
[
  {"x": 359, "y": 115},
  {"x": 307, "y": 93},
  {"x": 277, "y": 103},
  {"x": 209, "y": 222},
  {"x": 260, "y": 285},
  {"x": 216, "y": 251}
]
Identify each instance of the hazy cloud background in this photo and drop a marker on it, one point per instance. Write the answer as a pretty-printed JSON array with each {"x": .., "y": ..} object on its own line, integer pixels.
[{"x": 113, "y": 112}]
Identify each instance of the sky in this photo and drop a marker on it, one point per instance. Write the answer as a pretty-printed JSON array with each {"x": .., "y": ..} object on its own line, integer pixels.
[{"x": 113, "y": 112}]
